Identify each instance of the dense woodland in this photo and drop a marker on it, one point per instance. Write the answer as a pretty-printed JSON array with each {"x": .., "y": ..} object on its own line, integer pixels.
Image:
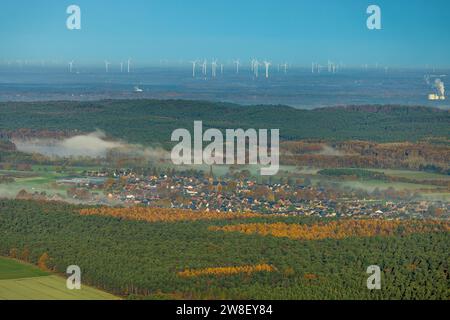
[
  {"x": 139, "y": 259},
  {"x": 152, "y": 121}
]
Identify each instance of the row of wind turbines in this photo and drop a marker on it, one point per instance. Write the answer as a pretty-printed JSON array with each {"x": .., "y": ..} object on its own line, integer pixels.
[
  {"x": 203, "y": 66},
  {"x": 107, "y": 64},
  {"x": 254, "y": 67},
  {"x": 330, "y": 66}
]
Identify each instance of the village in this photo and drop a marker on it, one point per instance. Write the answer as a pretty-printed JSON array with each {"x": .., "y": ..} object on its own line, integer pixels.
[{"x": 204, "y": 192}]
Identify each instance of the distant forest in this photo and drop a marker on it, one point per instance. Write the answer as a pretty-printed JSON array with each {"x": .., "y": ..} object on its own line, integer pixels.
[{"x": 151, "y": 122}]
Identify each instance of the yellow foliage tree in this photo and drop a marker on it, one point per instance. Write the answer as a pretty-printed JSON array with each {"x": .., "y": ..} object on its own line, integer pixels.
[
  {"x": 43, "y": 260},
  {"x": 13, "y": 253}
]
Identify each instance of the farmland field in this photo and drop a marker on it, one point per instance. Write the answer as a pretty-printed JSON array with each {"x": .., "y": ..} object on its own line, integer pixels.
[
  {"x": 19, "y": 281},
  {"x": 11, "y": 269}
]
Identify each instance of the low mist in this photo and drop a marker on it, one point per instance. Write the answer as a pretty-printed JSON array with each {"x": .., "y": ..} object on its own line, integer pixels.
[{"x": 92, "y": 145}]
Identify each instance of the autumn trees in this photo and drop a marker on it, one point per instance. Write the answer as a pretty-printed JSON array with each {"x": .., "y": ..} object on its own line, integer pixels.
[
  {"x": 163, "y": 214},
  {"x": 223, "y": 271},
  {"x": 338, "y": 229}
]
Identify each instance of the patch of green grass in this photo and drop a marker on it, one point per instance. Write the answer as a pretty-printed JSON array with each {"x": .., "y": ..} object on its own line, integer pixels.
[
  {"x": 410, "y": 174},
  {"x": 32, "y": 182},
  {"x": 47, "y": 288},
  {"x": 12, "y": 269}
]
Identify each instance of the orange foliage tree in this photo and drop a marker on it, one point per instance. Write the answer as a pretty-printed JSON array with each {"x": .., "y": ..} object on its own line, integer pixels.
[
  {"x": 163, "y": 214},
  {"x": 338, "y": 229}
]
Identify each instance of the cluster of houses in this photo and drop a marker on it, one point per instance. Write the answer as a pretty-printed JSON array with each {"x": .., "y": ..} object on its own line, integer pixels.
[{"x": 228, "y": 194}]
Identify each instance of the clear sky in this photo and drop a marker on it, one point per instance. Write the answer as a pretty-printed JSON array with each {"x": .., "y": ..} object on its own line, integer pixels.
[{"x": 414, "y": 32}]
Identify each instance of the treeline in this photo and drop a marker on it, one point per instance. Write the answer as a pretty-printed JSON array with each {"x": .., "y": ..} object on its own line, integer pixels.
[{"x": 137, "y": 259}]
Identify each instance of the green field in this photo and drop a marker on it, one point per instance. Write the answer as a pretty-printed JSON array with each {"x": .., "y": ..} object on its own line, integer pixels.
[
  {"x": 33, "y": 183},
  {"x": 20, "y": 281},
  {"x": 40, "y": 179},
  {"x": 12, "y": 269},
  {"x": 411, "y": 174}
]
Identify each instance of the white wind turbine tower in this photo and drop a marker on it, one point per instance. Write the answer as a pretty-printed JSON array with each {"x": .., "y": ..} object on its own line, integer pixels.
[
  {"x": 267, "y": 64},
  {"x": 204, "y": 67},
  {"x": 128, "y": 65},
  {"x": 121, "y": 67},
  {"x": 213, "y": 68},
  {"x": 107, "y": 63},
  {"x": 194, "y": 63},
  {"x": 312, "y": 67},
  {"x": 70, "y": 66},
  {"x": 285, "y": 65},
  {"x": 237, "y": 63},
  {"x": 256, "y": 65},
  {"x": 221, "y": 69}
]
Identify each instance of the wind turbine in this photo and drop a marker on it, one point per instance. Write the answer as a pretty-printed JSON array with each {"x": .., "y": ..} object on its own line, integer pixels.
[
  {"x": 128, "y": 65},
  {"x": 204, "y": 66},
  {"x": 221, "y": 69},
  {"x": 213, "y": 68},
  {"x": 107, "y": 63},
  {"x": 194, "y": 63},
  {"x": 285, "y": 65},
  {"x": 267, "y": 65},
  {"x": 237, "y": 63},
  {"x": 70, "y": 66},
  {"x": 121, "y": 66},
  {"x": 256, "y": 65},
  {"x": 312, "y": 67}
]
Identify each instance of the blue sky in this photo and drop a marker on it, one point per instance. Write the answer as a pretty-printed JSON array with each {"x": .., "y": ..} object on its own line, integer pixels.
[{"x": 415, "y": 33}]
